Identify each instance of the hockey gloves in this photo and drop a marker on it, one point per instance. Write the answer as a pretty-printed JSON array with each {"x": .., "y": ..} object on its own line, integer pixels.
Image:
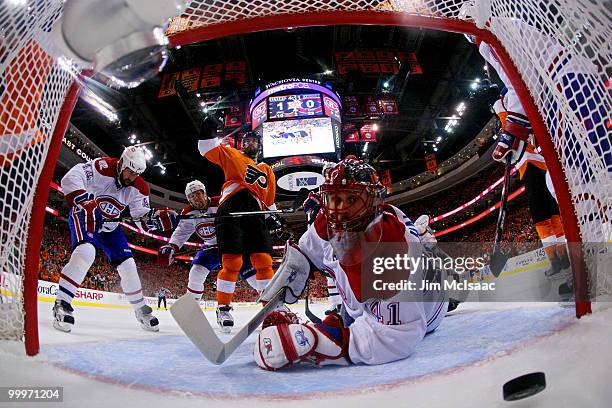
[
  {"x": 283, "y": 341},
  {"x": 312, "y": 203},
  {"x": 513, "y": 138},
  {"x": 86, "y": 209},
  {"x": 165, "y": 254},
  {"x": 161, "y": 219}
]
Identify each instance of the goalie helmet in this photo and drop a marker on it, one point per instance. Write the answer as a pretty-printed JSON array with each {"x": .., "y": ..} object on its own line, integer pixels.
[
  {"x": 133, "y": 158},
  {"x": 352, "y": 195}
]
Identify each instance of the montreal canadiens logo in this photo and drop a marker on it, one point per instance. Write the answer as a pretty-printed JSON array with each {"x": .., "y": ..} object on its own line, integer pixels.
[
  {"x": 109, "y": 206},
  {"x": 205, "y": 230}
]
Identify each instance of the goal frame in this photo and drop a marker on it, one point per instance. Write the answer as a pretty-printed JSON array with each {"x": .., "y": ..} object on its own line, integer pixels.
[{"x": 309, "y": 19}]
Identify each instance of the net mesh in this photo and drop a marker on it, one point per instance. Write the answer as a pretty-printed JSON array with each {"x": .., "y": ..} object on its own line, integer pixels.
[
  {"x": 561, "y": 49},
  {"x": 32, "y": 89}
]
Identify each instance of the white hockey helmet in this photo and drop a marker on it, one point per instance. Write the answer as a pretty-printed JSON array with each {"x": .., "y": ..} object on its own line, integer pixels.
[
  {"x": 193, "y": 186},
  {"x": 133, "y": 158}
]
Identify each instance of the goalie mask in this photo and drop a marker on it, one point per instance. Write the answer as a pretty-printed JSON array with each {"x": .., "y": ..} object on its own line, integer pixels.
[
  {"x": 351, "y": 198},
  {"x": 195, "y": 191}
]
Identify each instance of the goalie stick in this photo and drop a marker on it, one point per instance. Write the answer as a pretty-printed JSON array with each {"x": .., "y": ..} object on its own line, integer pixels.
[{"x": 197, "y": 328}]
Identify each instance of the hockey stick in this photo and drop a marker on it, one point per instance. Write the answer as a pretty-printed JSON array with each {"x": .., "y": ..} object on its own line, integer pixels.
[
  {"x": 498, "y": 258},
  {"x": 313, "y": 318},
  {"x": 294, "y": 207},
  {"x": 197, "y": 328}
]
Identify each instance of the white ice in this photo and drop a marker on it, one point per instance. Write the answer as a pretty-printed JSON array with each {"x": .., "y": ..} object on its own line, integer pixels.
[{"x": 576, "y": 356}]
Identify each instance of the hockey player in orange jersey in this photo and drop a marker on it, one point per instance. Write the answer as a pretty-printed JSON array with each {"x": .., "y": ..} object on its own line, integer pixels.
[{"x": 249, "y": 186}]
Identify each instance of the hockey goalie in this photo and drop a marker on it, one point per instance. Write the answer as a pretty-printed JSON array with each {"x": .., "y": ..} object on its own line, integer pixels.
[{"x": 367, "y": 330}]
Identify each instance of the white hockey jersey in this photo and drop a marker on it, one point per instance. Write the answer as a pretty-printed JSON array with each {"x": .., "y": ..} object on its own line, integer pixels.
[
  {"x": 382, "y": 331},
  {"x": 99, "y": 177},
  {"x": 204, "y": 227}
]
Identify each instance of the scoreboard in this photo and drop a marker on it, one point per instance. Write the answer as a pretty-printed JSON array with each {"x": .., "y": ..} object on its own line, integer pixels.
[
  {"x": 295, "y": 106},
  {"x": 296, "y": 117}
]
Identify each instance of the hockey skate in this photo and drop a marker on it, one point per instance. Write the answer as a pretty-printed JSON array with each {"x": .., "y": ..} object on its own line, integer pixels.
[
  {"x": 224, "y": 318},
  {"x": 62, "y": 316},
  {"x": 147, "y": 320}
]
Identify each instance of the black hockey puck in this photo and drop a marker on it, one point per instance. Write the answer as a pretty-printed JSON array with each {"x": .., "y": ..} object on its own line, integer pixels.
[{"x": 524, "y": 386}]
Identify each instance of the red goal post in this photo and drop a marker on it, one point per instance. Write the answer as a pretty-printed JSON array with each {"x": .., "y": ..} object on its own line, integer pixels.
[{"x": 38, "y": 91}]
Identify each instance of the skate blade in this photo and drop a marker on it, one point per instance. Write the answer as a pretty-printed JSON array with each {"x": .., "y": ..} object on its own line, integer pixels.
[
  {"x": 149, "y": 328},
  {"x": 63, "y": 327}
]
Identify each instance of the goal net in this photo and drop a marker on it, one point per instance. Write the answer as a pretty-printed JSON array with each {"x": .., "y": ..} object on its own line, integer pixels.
[{"x": 557, "y": 53}]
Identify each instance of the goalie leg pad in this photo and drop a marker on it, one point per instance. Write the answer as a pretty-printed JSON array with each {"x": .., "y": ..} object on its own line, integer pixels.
[{"x": 293, "y": 273}]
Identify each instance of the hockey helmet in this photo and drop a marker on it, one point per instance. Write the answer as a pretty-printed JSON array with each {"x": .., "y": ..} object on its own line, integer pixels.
[
  {"x": 352, "y": 195},
  {"x": 133, "y": 158}
]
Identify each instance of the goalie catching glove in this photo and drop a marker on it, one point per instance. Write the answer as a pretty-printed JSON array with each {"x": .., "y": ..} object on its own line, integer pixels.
[
  {"x": 283, "y": 341},
  {"x": 86, "y": 209},
  {"x": 165, "y": 254},
  {"x": 161, "y": 219}
]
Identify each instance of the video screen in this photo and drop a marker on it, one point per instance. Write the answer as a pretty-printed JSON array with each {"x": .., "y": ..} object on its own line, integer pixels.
[
  {"x": 295, "y": 106},
  {"x": 297, "y": 137},
  {"x": 259, "y": 114}
]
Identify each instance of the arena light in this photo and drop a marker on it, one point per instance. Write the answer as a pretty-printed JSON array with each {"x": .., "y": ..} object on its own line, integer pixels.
[
  {"x": 479, "y": 216},
  {"x": 473, "y": 200},
  {"x": 99, "y": 104}
]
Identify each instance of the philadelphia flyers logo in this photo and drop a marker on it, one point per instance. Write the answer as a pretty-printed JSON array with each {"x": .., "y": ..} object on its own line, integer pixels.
[
  {"x": 109, "y": 206},
  {"x": 254, "y": 175},
  {"x": 206, "y": 230}
]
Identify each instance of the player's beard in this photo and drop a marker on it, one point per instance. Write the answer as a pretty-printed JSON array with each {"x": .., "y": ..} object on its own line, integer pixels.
[{"x": 252, "y": 152}]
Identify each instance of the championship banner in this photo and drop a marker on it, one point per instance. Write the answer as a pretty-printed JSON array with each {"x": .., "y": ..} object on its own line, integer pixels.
[
  {"x": 410, "y": 58},
  {"x": 166, "y": 88},
  {"x": 371, "y": 105},
  {"x": 351, "y": 106},
  {"x": 236, "y": 78},
  {"x": 388, "y": 105},
  {"x": 350, "y": 132},
  {"x": 431, "y": 163},
  {"x": 235, "y": 66},
  {"x": 346, "y": 62},
  {"x": 375, "y": 62},
  {"x": 233, "y": 116},
  {"x": 367, "y": 132},
  {"x": 190, "y": 79}
]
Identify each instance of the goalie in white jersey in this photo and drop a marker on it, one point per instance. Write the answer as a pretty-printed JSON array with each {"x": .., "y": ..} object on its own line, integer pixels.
[
  {"x": 369, "y": 330},
  {"x": 207, "y": 259},
  {"x": 97, "y": 190}
]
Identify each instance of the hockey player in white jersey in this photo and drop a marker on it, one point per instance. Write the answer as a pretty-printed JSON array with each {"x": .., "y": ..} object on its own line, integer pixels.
[
  {"x": 312, "y": 206},
  {"x": 207, "y": 259},
  {"x": 97, "y": 190},
  {"x": 369, "y": 330}
]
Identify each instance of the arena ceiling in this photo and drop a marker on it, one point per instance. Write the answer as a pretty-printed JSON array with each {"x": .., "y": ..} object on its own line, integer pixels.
[{"x": 426, "y": 101}]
